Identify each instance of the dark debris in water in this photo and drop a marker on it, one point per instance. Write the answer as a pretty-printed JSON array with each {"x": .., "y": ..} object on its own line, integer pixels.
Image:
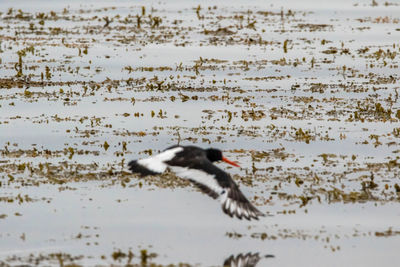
[
  {"x": 312, "y": 114},
  {"x": 117, "y": 258}
]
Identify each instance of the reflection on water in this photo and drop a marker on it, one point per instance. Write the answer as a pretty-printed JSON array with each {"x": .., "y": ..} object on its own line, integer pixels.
[
  {"x": 244, "y": 260},
  {"x": 123, "y": 258}
]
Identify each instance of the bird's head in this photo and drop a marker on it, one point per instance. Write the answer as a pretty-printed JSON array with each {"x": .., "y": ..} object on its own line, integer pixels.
[{"x": 216, "y": 155}]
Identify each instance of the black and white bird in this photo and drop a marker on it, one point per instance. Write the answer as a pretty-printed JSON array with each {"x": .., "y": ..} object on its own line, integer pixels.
[
  {"x": 196, "y": 165},
  {"x": 242, "y": 260}
]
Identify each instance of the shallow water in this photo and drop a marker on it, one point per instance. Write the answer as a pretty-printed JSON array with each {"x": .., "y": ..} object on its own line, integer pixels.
[{"x": 305, "y": 97}]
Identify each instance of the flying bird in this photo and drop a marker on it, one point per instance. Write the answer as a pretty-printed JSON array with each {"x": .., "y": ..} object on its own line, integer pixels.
[{"x": 196, "y": 165}]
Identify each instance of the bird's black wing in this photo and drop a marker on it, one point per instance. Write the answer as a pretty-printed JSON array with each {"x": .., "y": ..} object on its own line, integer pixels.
[
  {"x": 193, "y": 164},
  {"x": 236, "y": 204}
]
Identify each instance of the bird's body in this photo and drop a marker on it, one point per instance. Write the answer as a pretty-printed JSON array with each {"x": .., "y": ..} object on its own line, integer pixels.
[{"x": 195, "y": 164}]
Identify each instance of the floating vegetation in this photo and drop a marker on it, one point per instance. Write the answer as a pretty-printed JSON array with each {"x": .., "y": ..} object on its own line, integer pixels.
[{"x": 309, "y": 105}]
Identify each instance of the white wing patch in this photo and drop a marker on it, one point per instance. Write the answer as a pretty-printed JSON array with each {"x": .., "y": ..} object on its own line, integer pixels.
[
  {"x": 199, "y": 177},
  {"x": 156, "y": 163}
]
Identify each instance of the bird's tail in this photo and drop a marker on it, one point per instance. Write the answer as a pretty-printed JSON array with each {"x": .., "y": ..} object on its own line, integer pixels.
[{"x": 136, "y": 167}]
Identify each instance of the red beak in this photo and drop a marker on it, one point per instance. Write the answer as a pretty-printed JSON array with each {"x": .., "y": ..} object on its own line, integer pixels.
[{"x": 230, "y": 162}]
